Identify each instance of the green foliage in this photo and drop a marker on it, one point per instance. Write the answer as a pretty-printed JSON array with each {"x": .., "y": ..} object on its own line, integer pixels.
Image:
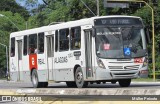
[
  {"x": 8, "y": 18},
  {"x": 145, "y": 14},
  {"x": 11, "y": 14},
  {"x": 62, "y": 11},
  {"x": 11, "y": 5}
]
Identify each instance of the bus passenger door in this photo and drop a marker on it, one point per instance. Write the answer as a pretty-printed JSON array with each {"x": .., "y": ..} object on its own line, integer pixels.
[
  {"x": 50, "y": 55},
  {"x": 88, "y": 53},
  {"x": 20, "y": 71}
]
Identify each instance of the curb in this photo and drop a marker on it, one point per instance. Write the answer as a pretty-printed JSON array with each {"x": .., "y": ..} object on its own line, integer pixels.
[{"x": 79, "y": 91}]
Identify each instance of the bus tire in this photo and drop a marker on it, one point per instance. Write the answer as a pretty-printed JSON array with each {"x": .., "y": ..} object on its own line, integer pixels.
[
  {"x": 98, "y": 82},
  {"x": 35, "y": 80},
  {"x": 113, "y": 82},
  {"x": 44, "y": 84},
  {"x": 79, "y": 79},
  {"x": 71, "y": 84},
  {"x": 125, "y": 82}
]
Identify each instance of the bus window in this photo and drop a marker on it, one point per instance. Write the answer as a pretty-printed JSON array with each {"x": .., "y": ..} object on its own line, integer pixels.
[
  {"x": 25, "y": 47},
  {"x": 12, "y": 47},
  {"x": 64, "y": 39},
  {"x": 56, "y": 41},
  {"x": 32, "y": 43},
  {"x": 75, "y": 38},
  {"x": 40, "y": 43}
]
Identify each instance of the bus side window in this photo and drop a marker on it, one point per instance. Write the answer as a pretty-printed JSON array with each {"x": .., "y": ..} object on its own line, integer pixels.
[
  {"x": 64, "y": 39},
  {"x": 32, "y": 43},
  {"x": 12, "y": 54},
  {"x": 25, "y": 46},
  {"x": 56, "y": 41},
  {"x": 75, "y": 38},
  {"x": 40, "y": 49}
]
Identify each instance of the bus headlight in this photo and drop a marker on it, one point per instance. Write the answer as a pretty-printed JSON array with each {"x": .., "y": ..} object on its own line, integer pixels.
[{"x": 100, "y": 63}]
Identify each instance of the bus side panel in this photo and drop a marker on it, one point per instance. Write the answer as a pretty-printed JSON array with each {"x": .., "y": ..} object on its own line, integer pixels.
[
  {"x": 64, "y": 65},
  {"x": 42, "y": 68},
  {"x": 26, "y": 70},
  {"x": 13, "y": 69}
]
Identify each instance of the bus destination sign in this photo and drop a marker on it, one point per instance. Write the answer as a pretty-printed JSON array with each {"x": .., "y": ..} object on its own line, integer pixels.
[{"x": 117, "y": 21}]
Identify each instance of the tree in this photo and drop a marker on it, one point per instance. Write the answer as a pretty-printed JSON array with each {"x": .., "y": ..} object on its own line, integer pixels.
[
  {"x": 11, "y": 5},
  {"x": 62, "y": 11},
  {"x": 6, "y": 27}
]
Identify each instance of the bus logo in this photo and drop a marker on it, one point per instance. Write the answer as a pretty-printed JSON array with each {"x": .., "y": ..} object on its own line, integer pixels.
[{"x": 33, "y": 61}]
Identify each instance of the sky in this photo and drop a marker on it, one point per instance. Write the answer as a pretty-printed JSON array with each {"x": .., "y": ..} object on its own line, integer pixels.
[{"x": 22, "y": 2}]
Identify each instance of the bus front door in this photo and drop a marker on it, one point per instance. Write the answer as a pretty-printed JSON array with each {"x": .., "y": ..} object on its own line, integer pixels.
[
  {"x": 19, "y": 76},
  {"x": 50, "y": 55},
  {"x": 88, "y": 54}
]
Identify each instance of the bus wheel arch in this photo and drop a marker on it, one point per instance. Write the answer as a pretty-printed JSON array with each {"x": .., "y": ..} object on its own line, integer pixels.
[
  {"x": 79, "y": 78},
  {"x": 35, "y": 80},
  {"x": 72, "y": 84},
  {"x": 75, "y": 67}
]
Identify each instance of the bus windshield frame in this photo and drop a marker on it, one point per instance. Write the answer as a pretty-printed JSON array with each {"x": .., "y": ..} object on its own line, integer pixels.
[{"x": 120, "y": 41}]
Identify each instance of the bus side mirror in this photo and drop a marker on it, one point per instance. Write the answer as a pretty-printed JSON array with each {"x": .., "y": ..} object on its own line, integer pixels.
[
  {"x": 93, "y": 32},
  {"x": 150, "y": 60},
  {"x": 147, "y": 35}
]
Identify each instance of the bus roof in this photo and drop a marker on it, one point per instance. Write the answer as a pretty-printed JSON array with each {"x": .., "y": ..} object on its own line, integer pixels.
[{"x": 81, "y": 22}]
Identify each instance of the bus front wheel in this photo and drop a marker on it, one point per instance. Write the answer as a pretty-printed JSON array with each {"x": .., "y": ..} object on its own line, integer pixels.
[
  {"x": 79, "y": 79},
  {"x": 125, "y": 82}
]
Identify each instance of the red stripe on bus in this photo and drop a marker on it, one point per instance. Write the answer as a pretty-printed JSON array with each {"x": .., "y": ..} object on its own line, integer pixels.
[{"x": 33, "y": 61}]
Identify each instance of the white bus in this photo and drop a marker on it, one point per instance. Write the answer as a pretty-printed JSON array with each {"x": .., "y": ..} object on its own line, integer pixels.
[{"x": 92, "y": 50}]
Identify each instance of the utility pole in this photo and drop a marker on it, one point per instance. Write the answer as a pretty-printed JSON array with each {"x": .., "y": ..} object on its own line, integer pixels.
[
  {"x": 87, "y": 7},
  {"x": 97, "y": 7}
]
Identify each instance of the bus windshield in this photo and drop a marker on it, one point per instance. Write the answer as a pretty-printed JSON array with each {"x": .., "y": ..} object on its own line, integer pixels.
[{"x": 120, "y": 42}]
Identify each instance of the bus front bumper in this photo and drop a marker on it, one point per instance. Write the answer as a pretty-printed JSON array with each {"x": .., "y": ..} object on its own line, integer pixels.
[{"x": 106, "y": 74}]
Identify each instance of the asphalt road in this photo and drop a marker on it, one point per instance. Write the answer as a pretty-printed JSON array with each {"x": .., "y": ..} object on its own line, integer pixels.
[
  {"x": 28, "y": 85},
  {"x": 60, "y": 89}
]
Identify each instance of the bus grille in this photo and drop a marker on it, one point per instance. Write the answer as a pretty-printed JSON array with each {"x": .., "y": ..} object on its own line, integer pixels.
[{"x": 119, "y": 68}]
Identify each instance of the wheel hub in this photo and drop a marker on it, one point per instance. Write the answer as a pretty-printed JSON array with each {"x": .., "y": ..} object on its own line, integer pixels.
[
  {"x": 79, "y": 77},
  {"x": 34, "y": 79}
]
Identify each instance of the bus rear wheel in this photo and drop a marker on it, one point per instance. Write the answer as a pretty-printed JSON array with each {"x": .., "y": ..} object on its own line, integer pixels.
[
  {"x": 79, "y": 79},
  {"x": 125, "y": 82},
  {"x": 35, "y": 80}
]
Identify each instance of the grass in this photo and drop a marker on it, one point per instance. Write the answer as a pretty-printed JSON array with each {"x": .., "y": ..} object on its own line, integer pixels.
[
  {"x": 3, "y": 78},
  {"x": 145, "y": 80}
]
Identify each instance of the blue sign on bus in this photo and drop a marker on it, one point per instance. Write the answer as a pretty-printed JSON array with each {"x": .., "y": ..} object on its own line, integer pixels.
[{"x": 127, "y": 51}]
